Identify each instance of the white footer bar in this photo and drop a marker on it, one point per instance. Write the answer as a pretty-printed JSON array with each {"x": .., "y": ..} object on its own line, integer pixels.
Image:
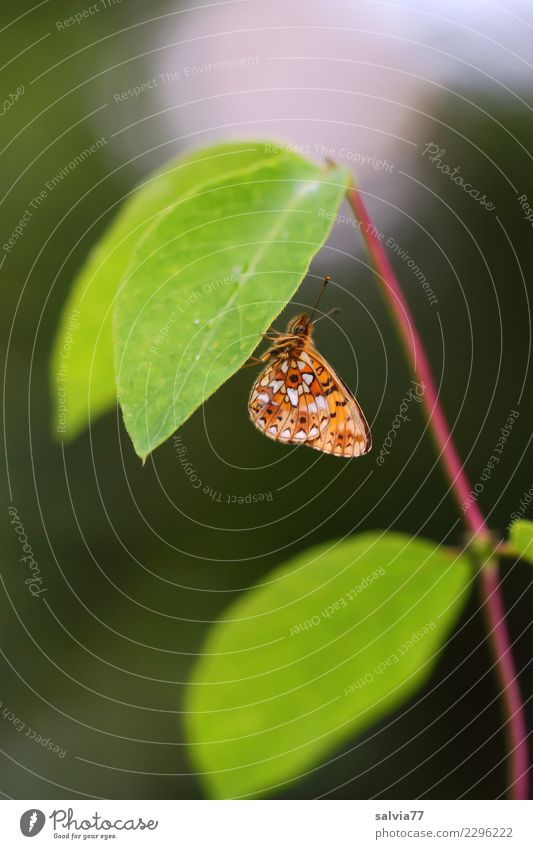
[{"x": 267, "y": 824}]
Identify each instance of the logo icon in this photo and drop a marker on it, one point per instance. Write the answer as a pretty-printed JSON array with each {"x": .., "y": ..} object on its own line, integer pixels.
[{"x": 32, "y": 822}]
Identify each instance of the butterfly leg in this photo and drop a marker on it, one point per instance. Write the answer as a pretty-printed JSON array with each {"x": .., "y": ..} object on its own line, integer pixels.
[{"x": 255, "y": 361}]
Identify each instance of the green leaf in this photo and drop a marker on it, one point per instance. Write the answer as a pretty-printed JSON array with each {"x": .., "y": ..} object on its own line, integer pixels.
[
  {"x": 83, "y": 349},
  {"x": 207, "y": 280},
  {"x": 329, "y": 643},
  {"x": 521, "y": 540}
]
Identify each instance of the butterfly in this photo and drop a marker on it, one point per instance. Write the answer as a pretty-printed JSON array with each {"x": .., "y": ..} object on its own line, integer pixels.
[{"x": 299, "y": 399}]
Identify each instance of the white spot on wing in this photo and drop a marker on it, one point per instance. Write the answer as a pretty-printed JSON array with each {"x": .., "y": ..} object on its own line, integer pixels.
[
  {"x": 263, "y": 397},
  {"x": 308, "y": 378},
  {"x": 293, "y": 396},
  {"x": 273, "y": 429},
  {"x": 300, "y": 434},
  {"x": 276, "y": 385},
  {"x": 286, "y": 433},
  {"x": 284, "y": 366},
  {"x": 320, "y": 402},
  {"x": 313, "y": 432}
]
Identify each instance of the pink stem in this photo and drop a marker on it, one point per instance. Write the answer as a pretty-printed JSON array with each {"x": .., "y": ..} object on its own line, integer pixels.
[
  {"x": 510, "y": 691},
  {"x": 419, "y": 363},
  {"x": 461, "y": 489}
]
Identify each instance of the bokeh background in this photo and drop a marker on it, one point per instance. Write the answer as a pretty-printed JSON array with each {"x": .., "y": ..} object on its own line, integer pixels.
[{"x": 137, "y": 563}]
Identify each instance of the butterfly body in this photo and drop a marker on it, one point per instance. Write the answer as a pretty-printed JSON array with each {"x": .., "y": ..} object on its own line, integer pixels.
[{"x": 298, "y": 398}]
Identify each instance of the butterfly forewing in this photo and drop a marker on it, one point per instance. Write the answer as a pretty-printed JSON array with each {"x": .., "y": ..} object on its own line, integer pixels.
[
  {"x": 298, "y": 398},
  {"x": 284, "y": 403}
]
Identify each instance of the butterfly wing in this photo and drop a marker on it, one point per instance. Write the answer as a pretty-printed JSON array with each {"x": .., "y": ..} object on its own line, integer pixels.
[
  {"x": 347, "y": 433},
  {"x": 282, "y": 404},
  {"x": 298, "y": 398}
]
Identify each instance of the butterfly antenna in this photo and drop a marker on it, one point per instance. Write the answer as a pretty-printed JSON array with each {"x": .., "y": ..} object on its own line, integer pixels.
[
  {"x": 327, "y": 279},
  {"x": 327, "y": 314}
]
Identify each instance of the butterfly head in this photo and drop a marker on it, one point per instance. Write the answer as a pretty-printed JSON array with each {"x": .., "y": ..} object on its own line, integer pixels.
[{"x": 300, "y": 326}]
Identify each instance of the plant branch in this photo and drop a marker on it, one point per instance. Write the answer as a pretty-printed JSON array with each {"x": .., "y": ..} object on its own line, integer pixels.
[
  {"x": 493, "y": 605},
  {"x": 516, "y": 727}
]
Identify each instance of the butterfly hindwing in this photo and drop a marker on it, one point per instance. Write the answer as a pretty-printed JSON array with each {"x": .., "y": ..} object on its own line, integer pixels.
[{"x": 347, "y": 433}]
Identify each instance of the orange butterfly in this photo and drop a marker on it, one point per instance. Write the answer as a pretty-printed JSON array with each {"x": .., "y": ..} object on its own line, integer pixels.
[{"x": 298, "y": 398}]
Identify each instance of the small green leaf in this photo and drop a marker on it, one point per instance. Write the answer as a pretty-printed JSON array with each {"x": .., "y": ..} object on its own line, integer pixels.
[
  {"x": 329, "y": 643},
  {"x": 207, "y": 279},
  {"x": 521, "y": 540},
  {"x": 83, "y": 350}
]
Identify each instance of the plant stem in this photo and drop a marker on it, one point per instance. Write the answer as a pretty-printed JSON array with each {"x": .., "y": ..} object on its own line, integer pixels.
[
  {"x": 516, "y": 727},
  {"x": 498, "y": 634}
]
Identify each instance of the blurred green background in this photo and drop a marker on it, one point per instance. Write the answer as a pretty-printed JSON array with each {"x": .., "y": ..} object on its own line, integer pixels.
[{"x": 136, "y": 562}]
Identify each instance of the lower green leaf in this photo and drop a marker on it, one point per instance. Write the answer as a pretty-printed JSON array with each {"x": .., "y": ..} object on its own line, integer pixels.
[{"x": 330, "y": 642}]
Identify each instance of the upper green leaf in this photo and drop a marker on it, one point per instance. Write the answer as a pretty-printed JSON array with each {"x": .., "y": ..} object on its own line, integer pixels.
[
  {"x": 83, "y": 350},
  {"x": 521, "y": 539},
  {"x": 207, "y": 280},
  {"x": 333, "y": 640}
]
